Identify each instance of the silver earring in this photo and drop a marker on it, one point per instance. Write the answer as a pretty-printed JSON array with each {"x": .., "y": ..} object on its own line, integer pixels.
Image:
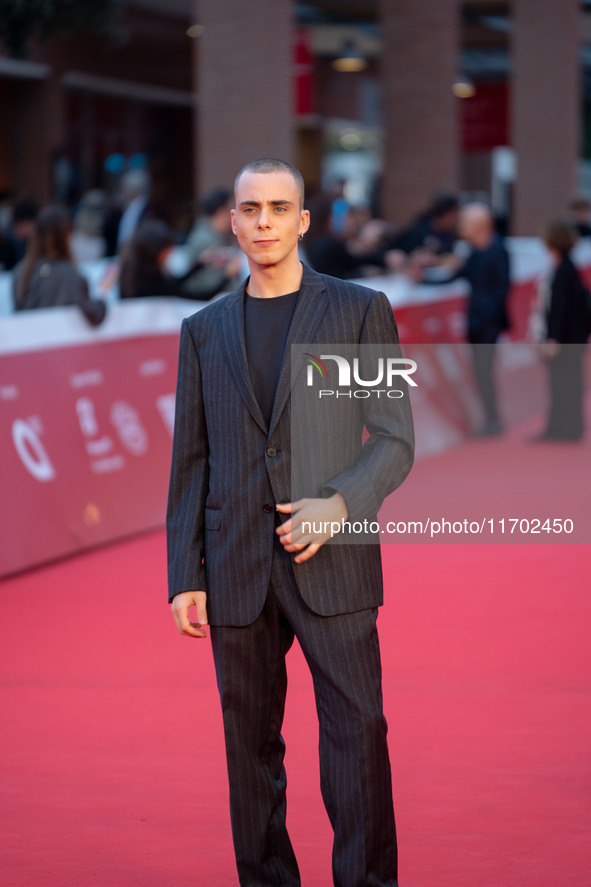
[{"x": 300, "y": 236}]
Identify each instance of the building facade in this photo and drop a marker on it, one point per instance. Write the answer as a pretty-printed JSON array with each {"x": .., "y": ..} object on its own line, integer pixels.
[{"x": 198, "y": 88}]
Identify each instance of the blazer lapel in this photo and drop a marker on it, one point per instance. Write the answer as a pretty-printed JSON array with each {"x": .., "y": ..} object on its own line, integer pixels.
[
  {"x": 310, "y": 307},
  {"x": 234, "y": 344}
]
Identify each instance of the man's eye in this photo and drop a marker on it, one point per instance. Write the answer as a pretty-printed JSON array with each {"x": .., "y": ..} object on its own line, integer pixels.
[{"x": 280, "y": 209}]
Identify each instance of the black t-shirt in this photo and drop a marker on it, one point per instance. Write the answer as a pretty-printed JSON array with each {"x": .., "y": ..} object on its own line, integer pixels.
[{"x": 266, "y": 325}]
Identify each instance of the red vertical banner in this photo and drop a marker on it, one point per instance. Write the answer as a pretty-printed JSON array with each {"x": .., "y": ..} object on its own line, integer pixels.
[
  {"x": 484, "y": 118},
  {"x": 303, "y": 64}
]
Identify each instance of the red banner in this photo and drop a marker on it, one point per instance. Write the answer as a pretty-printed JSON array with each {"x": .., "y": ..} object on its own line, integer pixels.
[
  {"x": 484, "y": 118},
  {"x": 303, "y": 62},
  {"x": 85, "y": 444}
]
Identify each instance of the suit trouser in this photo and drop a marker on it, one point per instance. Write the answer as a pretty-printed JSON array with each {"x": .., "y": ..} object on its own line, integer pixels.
[
  {"x": 483, "y": 356},
  {"x": 565, "y": 418},
  {"x": 343, "y": 655}
]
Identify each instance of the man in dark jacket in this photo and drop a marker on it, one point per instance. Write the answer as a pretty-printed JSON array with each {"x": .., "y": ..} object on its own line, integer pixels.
[
  {"x": 487, "y": 271},
  {"x": 246, "y": 553}
]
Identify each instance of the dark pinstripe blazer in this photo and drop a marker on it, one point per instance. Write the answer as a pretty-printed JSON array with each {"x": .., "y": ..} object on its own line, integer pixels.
[{"x": 225, "y": 474}]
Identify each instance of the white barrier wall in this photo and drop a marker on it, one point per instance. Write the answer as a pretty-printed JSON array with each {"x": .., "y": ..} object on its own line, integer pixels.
[{"x": 86, "y": 414}]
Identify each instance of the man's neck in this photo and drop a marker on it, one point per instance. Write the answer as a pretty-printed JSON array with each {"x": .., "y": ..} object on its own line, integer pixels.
[{"x": 270, "y": 281}]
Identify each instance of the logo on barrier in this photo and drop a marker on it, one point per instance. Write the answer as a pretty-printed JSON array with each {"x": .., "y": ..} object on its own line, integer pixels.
[
  {"x": 26, "y": 436},
  {"x": 132, "y": 433}
]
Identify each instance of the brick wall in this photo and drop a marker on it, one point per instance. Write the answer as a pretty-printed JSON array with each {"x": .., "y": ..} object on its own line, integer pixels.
[
  {"x": 419, "y": 59},
  {"x": 243, "y": 86},
  {"x": 546, "y": 109}
]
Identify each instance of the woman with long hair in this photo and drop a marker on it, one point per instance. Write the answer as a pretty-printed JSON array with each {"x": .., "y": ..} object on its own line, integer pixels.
[{"x": 47, "y": 277}]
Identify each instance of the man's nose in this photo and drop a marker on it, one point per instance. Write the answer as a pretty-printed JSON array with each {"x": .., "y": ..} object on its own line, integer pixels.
[{"x": 264, "y": 219}]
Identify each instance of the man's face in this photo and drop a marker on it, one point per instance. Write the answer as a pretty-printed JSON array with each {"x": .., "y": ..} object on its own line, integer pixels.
[
  {"x": 268, "y": 217},
  {"x": 476, "y": 227},
  {"x": 470, "y": 227}
]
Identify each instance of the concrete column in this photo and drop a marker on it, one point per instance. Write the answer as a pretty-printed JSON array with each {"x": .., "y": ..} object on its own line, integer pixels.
[
  {"x": 419, "y": 64},
  {"x": 546, "y": 109},
  {"x": 243, "y": 67}
]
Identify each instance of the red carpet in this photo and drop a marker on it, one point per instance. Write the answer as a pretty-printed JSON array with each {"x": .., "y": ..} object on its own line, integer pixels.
[{"x": 111, "y": 747}]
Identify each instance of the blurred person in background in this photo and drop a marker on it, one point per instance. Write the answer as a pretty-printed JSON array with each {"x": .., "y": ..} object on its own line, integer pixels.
[
  {"x": 144, "y": 269},
  {"x": 358, "y": 215},
  {"x": 18, "y": 232},
  {"x": 431, "y": 238},
  {"x": 135, "y": 206},
  {"x": 211, "y": 248},
  {"x": 373, "y": 236},
  {"x": 487, "y": 271},
  {"x": 47, "y": 277},
  {"x": 580, "y": 212},
  {"x": 332, "y": 255},
  {"x": 566, "y": 312},
  {"x": 87, "y": 241}
]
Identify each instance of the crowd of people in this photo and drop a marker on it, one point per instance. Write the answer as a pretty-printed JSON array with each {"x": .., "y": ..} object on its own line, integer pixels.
[
  {"x": 43, "y": 248},
  {"x": 135, "y": 232}
]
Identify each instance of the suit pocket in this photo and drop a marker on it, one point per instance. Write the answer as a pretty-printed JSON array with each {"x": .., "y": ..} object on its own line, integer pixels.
[{"x": 213, "y": 518}]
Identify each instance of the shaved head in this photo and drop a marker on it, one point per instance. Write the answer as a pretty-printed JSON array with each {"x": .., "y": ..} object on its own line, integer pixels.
[
  {"x": 477, "y": 224},
  {"x": 273, "y": 164},
  {"x": 480, "y": 212}
]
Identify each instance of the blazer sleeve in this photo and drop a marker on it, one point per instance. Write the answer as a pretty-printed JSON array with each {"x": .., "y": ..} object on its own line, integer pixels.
[
  {"x": 388, "y": 452},
  {"x": 189, "y": 476}
]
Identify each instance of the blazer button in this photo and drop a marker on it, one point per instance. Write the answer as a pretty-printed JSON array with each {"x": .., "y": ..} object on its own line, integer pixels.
[
  {"x": 268, "y": 508},
  {"x": 271, "y": 452}
]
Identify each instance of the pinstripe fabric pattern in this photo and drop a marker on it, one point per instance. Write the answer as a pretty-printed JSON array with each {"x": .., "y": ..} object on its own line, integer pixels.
[
  {"x": 228, "y": 472},
  {"x": 343, "y": 655},
  {"x": 220, "y": 528}
]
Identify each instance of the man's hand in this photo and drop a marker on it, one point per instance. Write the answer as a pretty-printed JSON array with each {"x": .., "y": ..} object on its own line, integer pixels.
[
  {"x": 324, "y": 514},
  {"x": 181, "y": 604}
]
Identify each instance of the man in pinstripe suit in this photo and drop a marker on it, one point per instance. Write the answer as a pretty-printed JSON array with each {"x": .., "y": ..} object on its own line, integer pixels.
[{"x": 242, "y": 553}]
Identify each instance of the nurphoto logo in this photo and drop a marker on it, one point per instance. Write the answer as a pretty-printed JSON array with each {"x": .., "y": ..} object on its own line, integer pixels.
[{"x": 387, "y": 371}]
